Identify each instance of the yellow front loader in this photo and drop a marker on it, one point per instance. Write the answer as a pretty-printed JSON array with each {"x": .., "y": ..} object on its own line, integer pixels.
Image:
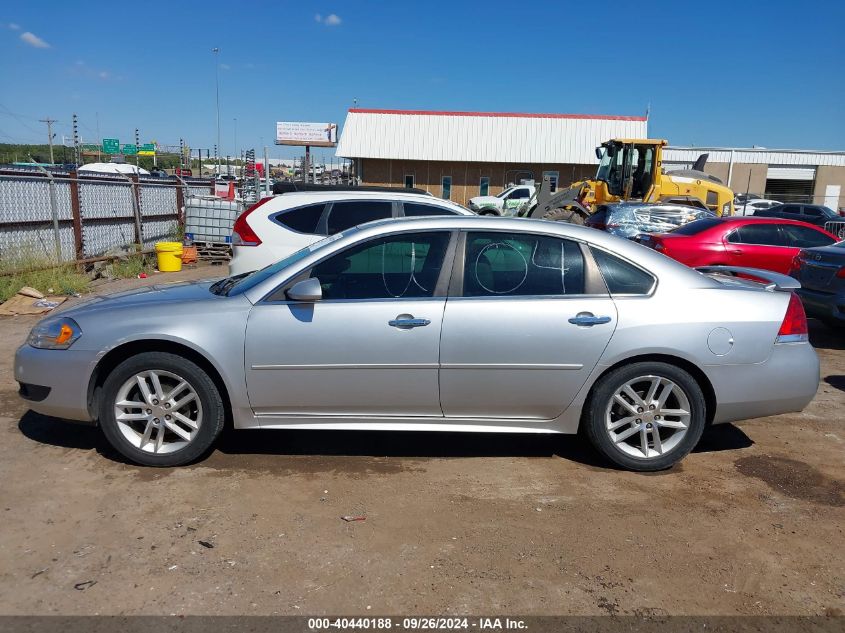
[{"x": 632, "y": 169}]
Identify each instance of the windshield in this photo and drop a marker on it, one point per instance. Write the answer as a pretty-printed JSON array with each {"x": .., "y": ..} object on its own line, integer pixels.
[
  {"x": 231, "y": 286},
  {"x": 505, "y": 192}
]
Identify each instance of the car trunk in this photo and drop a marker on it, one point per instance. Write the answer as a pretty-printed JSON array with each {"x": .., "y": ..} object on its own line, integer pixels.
[{"x": 821, "y": 269}]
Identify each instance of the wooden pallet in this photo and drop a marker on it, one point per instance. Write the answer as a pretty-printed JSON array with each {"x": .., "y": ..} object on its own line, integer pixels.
[{"x": 213, "y": 251}]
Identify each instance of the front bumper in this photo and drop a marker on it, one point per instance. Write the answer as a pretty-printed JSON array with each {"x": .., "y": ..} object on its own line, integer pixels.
[
  {"x": 785, "y": 383},
  {"x": 823, "y": 305},
  {"x": 65, "y": 373}
]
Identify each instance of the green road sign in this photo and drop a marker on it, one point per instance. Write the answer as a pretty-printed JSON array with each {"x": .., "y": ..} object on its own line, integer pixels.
[
  {"x": 147, "y": 149},
  {"x": 90, "y": 147},
  {"x": 111, "y": 146},
  {"x": 130, "y": 149}
]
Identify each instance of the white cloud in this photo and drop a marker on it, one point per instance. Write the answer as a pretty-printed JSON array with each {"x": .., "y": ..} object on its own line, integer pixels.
[
  {"x": 33, "y": 40},
  {"x": 332, "y": 20},
  {"x": 318, "y": 17},
  {"x": 14, "y": 27}
]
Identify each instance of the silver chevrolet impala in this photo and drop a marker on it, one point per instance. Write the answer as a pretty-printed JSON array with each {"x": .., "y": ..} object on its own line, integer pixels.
[{"x": 436, "y": 324}]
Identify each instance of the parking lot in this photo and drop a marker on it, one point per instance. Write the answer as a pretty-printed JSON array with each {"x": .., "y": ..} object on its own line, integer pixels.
[{"x": 750, "y": 523}]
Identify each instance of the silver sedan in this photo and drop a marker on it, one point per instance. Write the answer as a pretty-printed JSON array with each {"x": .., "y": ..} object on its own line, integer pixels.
[{"x": 435, "y": 324}]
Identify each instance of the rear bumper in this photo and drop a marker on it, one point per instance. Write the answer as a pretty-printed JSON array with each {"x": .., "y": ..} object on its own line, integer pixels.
[
  {"x": 823, "y": 305},
  {"x": 785, "y": 383},
  {"x": 55, "y": 382}
]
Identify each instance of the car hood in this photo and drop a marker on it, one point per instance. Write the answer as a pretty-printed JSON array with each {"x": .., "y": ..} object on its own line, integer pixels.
[
  {"x": 486, "y": 201},
  {"x": 142, "y": 297}
]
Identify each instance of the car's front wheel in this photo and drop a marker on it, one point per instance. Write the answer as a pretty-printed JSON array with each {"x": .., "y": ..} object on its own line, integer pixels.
[
  {"x": 160, "y": 409},
  {"x": 645, "y": 416}
]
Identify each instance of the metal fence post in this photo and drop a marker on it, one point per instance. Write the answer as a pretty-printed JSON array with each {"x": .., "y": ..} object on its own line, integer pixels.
[
  {"x": 136, "y": 209},
  {"x": 79, "y": 246},
  {"x": 180, "y": 203}
]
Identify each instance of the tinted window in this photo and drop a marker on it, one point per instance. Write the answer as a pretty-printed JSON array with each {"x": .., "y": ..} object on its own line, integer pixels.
[
  {"x": 696, "y": 226},
  {"x": 621, "y": 277},
  {"x": 790, "y": 208},
  {"x": 760, "y": 234},
  {"x": 813, "y": 211},
  {"x": 521, "y": 265},
  {"x": 519, "y": 194},
  {"x": 397, "y": 266},
  {"x": 414, "y": 209},
  {"x": 484, "y": 186},
  {"x": 346, "y": 214},
  {"x": 805, "y": 237},
  {"x": 302, "y": 220}
]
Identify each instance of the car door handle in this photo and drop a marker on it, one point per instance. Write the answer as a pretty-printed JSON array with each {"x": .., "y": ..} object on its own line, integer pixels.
[
  {"x": 406, "y": 321},
  {"x": 588, "y": 319},
  {"x": 735, "y": 251}
]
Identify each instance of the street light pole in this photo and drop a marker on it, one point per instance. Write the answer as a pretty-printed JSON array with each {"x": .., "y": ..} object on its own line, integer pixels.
[
  {"x": 216, "y": 52},
  {"x": 235, "y": 148}
]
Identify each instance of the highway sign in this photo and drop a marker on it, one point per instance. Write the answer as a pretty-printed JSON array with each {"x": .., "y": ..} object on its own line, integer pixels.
[{"x": 111, "y": 146}]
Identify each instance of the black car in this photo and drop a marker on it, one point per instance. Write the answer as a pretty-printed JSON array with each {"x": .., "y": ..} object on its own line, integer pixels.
[{"x": 810, "y": 213}]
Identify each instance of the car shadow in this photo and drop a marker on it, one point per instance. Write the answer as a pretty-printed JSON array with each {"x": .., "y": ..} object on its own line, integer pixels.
[
  {"x": 825, "y": 337},
  {"x": 837, "y": 382},
  {"x": 369, "y": 444}
]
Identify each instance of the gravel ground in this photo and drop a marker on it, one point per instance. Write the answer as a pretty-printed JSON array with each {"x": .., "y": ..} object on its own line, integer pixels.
[{"x": 750, "y": 523}]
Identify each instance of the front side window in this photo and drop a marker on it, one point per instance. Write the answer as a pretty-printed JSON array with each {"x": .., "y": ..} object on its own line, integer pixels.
[
  {"x": 757, "y": 234},
  {"x": 521, "y": 193},
  {"x": 812, "y": 212},
  {"x": 303, "y": 219},
  {"x": 791, "y": 208},
  {"x": 344, "y": 215},
  {"x": 413, "y": 209},
  {"x": 446, "y": 186},
  {"x": 398, "y": 266},
  {"x": 621, "y": 277},
  {"x": 504, "y": 264},
  {"x": 484, "y": 186}
]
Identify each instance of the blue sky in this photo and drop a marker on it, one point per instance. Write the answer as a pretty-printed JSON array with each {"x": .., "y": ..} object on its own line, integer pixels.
[{"x": 721, "y": 73}]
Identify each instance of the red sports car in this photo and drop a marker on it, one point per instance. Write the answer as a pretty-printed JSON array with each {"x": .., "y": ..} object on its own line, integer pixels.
[{"x": 767, "y": 243}]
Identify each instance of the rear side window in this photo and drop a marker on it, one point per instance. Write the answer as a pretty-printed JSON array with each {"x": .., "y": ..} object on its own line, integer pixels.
[
  {"x": 696, "y": 226},
  {"x": 301, "y": 220},
  {"x": 812, "y": 211},
  {"x": 344, "y": 215},
  {"x": 412, "y": 209},
  {"x": 805, "y": 237},
  {"x": 505, "y": 264},
  {"x": 621, "y": 277},
  {"x": 790, "y": 208},
  {"x": 759, "y": 234}
]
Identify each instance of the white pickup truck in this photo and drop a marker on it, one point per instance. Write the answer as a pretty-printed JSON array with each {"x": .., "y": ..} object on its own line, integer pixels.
[{"x": 508, "y": 203}]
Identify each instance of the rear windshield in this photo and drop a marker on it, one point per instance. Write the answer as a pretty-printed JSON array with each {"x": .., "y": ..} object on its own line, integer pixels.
[{"x": 696, "y": 226}]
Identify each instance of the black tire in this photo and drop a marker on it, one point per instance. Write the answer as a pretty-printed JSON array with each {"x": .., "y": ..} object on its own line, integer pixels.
[
  {"x": 487, "y": 212},
  {"x": 594, "y": 423},
  {"x": 213, "y": 410},
  {"x": 565, "y": 215}
]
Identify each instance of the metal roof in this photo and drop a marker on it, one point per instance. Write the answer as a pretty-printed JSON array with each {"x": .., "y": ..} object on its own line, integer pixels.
[
  {"x": 759, "y": 155},
  {"x": 507, "y": 137}
]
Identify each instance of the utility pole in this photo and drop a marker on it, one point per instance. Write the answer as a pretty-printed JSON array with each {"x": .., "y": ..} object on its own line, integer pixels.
[
  {"x": 77, "y": 158},
  {"x": 216, "y": 52},
  {"x": 49, "y": 123},
  {"x": 137, "y": 146}
]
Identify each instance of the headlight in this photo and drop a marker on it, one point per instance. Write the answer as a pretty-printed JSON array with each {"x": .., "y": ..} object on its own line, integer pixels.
[{"x": 55, "y": 333}]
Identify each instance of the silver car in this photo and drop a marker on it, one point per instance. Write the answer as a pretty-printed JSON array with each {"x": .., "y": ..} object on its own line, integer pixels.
[{"x": 434, "y": 324}]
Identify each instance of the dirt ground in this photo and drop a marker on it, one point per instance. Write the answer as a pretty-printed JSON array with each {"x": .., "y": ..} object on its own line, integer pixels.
[{"x": 750, "y": 523}]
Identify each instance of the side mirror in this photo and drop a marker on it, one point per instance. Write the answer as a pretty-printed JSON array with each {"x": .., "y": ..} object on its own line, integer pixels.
[{"x": 308, "y": 290}]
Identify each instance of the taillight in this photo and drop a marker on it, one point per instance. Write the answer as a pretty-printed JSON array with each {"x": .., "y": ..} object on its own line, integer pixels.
[
  {"x": 794, "y": 326},
  {"x": 841, "y": 273},
  {"x": 242, "y": 233}
]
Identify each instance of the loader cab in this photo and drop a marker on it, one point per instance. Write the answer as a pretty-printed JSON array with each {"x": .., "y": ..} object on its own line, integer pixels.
[{"x": 628, "y": 168}]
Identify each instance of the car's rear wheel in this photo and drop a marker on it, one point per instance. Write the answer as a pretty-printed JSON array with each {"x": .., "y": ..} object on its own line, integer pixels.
[
  {"x": 645, "y": 416},
  {"x": 160, "y": 409}
]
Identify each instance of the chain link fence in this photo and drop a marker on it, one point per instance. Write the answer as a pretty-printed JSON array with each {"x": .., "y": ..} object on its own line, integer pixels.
[{"x": 65, "y": 216}]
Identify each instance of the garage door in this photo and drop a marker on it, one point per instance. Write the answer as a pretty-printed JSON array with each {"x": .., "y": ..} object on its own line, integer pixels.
[{"x": 790, "y": 183}]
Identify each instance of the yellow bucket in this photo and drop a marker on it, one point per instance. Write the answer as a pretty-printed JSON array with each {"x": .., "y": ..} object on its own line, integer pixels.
[{"x": 169, "y": 255}]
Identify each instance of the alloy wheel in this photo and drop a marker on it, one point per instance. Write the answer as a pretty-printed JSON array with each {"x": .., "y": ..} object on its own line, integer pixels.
[
  {"x": 158, "y": 411},
  {"x": 648, "y": 416}
]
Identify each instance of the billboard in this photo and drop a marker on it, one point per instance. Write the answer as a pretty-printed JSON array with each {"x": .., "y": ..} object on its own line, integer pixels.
[{"x": 300, "y": 133}]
